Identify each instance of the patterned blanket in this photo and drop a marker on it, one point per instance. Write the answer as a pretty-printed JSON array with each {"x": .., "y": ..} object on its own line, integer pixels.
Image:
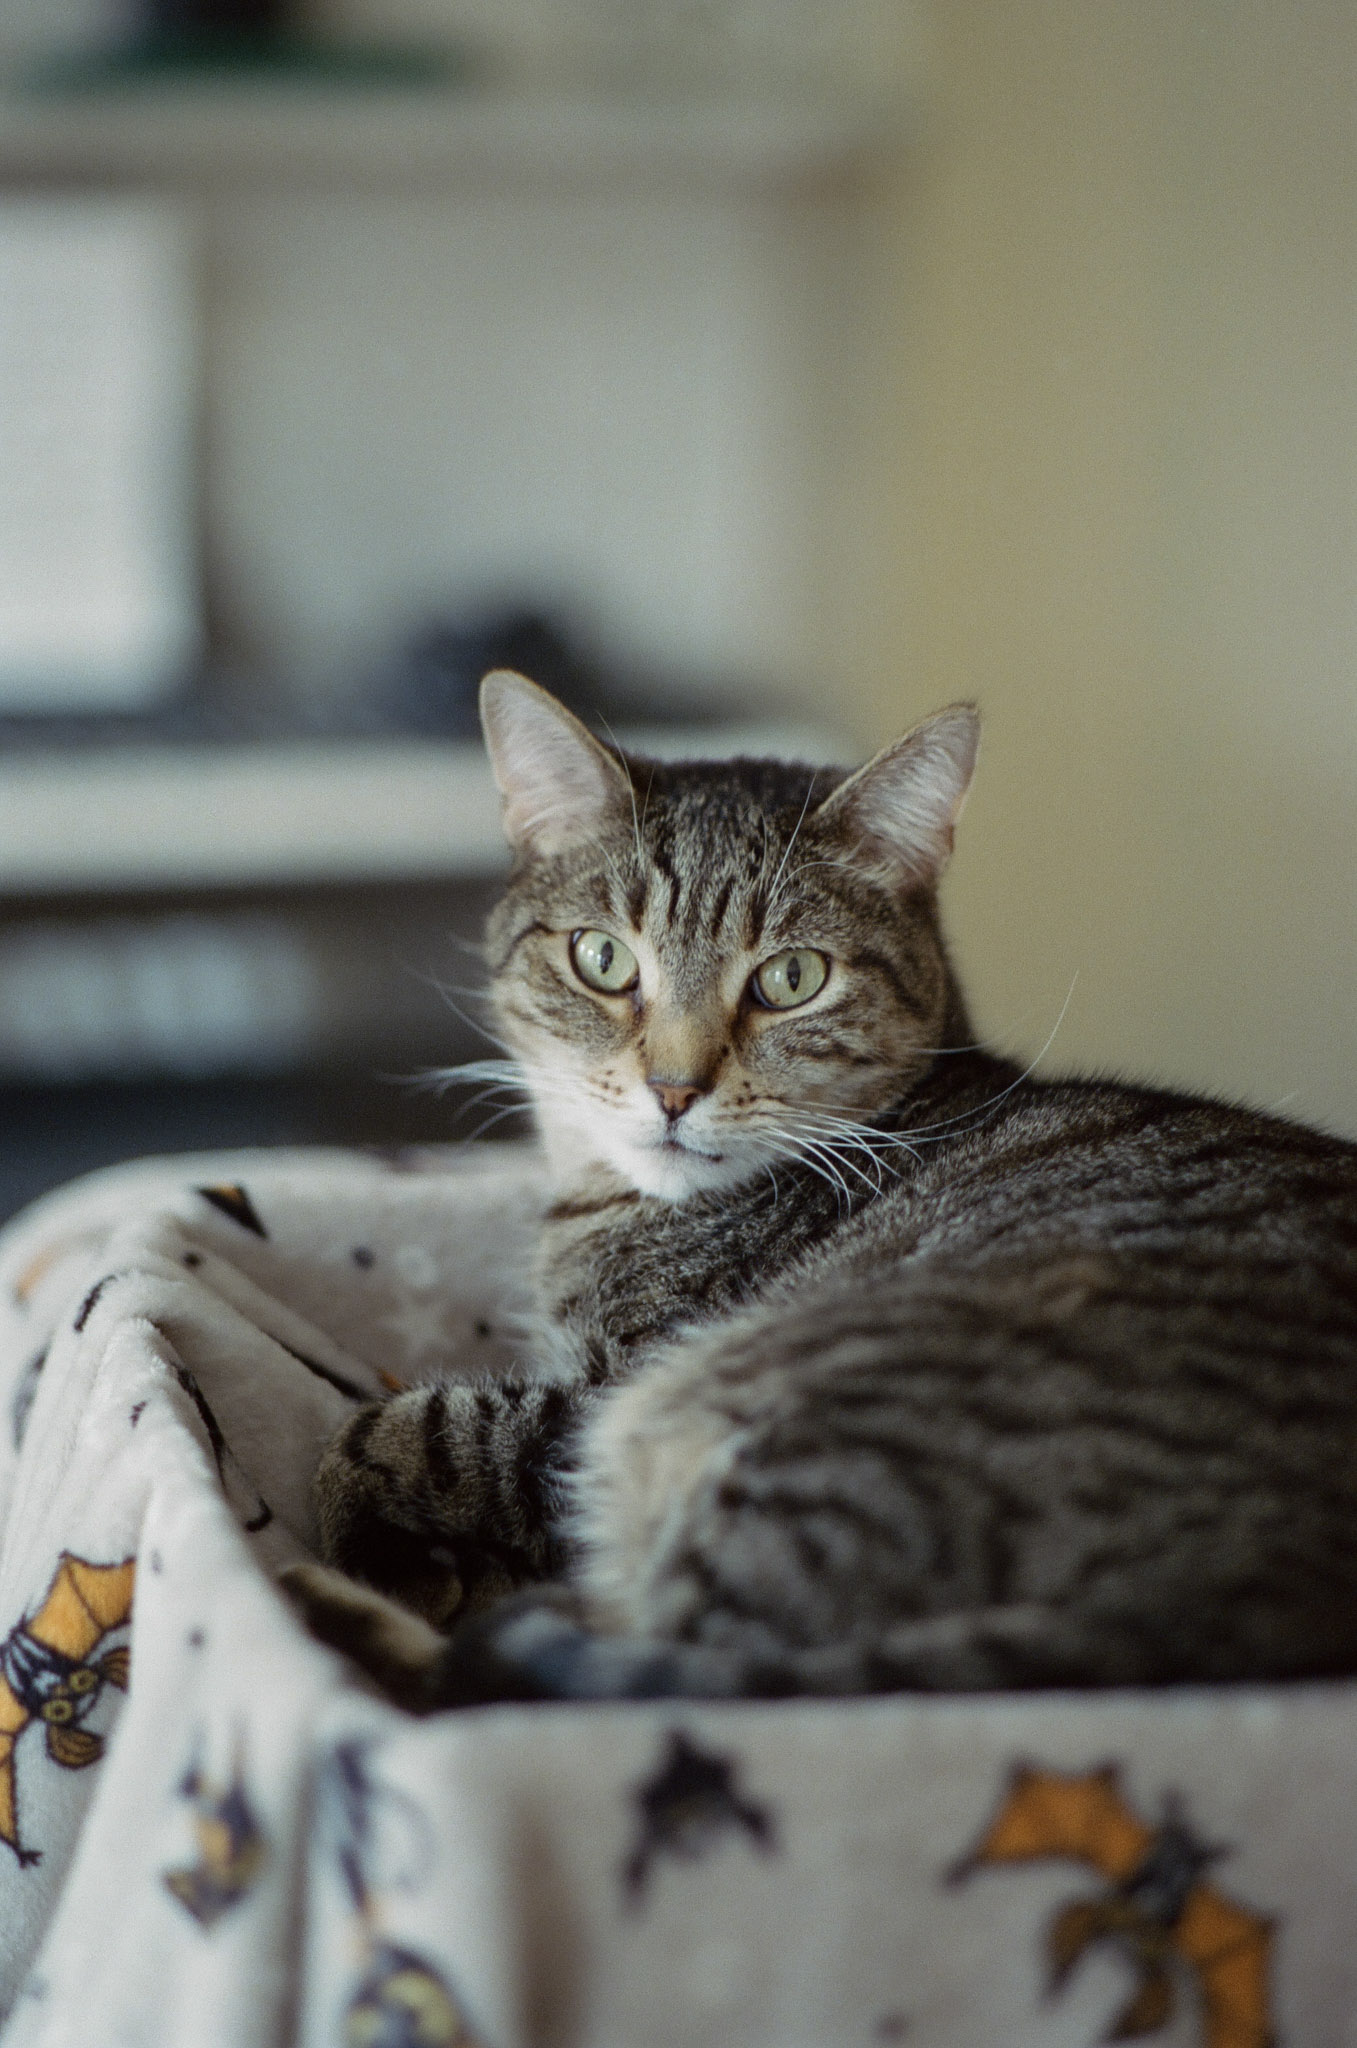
[{"x": 211, "y": 1832}]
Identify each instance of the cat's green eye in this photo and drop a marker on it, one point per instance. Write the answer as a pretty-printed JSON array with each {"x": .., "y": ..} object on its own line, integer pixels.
[
  {"x": 603, "y": 962},
  {"x": 790, "y": 978}
]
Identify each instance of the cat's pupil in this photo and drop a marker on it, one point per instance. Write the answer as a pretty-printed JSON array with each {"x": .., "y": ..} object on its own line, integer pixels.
[
  {"x": 605, "y": 956},
  {"x": 794, "y": 973}
]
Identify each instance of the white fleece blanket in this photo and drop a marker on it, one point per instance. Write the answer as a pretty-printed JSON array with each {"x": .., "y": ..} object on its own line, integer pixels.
[{"x": 212, "y": 1833}]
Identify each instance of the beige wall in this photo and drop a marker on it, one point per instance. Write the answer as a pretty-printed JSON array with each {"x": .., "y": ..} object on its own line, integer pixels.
[{"x": 1114, "y": 495}]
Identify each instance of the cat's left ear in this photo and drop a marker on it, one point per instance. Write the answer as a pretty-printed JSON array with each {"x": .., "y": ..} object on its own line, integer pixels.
[
  {"x": 899, "y": 812},
  {"x": 560, "y": 787}
]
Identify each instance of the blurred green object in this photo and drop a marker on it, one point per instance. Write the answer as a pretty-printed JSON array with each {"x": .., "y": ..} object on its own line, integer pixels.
[
  {"x": 231, "y": 17},
  {"x": 164, "y": 56}
]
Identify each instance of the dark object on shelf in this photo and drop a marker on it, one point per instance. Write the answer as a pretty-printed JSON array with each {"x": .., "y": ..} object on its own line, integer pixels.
[
  {"x": 214, "y": 17},
  {"x": 435, "y": 685},
  {"x": 207, "y": 41}
]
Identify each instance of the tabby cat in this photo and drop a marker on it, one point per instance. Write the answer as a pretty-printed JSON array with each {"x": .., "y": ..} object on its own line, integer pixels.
[{"x": 864, "y": 1360}]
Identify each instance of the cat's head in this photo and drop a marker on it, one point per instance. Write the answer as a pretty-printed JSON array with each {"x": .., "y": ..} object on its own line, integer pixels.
[{"x": 711, "y": 968}]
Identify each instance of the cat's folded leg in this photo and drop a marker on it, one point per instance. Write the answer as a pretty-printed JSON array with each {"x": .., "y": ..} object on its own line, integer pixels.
[
  {"x": 446, "y": 1496},
  {"x": 539, "y": 1646}
]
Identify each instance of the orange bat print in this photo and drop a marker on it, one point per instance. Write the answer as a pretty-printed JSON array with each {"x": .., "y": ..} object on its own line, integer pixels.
[
  {"x": 48, "y": 1675},
  {"x": 1154, "y": 1906}
]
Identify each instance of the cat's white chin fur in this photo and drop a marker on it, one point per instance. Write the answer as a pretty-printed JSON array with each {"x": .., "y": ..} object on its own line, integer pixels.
[
  {"x": 672, "y": 1172},
  {"x": 675, "y": 1172}
]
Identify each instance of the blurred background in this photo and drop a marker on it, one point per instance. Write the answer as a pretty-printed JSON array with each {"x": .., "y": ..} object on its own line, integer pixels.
[{"x": 753, "y": 372}]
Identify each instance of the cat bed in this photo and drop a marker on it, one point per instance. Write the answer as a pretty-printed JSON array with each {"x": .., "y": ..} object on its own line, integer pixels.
[{"x": 211, "y": 1831}]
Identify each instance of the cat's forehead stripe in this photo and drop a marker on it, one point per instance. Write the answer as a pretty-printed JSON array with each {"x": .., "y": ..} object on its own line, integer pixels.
[{"x": 709, "y": 831}]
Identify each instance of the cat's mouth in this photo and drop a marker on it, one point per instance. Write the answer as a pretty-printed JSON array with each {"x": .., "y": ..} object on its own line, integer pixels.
[
  {"x": 672, "y": 1141},
  {"x": 670, "y": 1165}
]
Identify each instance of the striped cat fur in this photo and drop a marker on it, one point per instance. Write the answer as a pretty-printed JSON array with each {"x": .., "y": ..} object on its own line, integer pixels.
[{"x": 864, "y": 1360}]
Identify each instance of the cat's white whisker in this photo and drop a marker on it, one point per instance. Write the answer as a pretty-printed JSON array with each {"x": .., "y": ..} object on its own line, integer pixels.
[
  {"x": 472, "y": 1023},
  {"x": 787, "y": 853},
  {"x": 822, "y": 1160},
  {"x": 841, "y": 1156},
  {"x": 795, "y": 1155},
  {"x": 963, "y": 1121},
  {"x": 844, "y": 1137},
  {"x": 867, "y": 1135},
  {"x": 619, "y": 882},
  {"x": 510, "y": 1109},
  {"x": 482, "y": 1070},
  {"x": 631, "y": 792},
  {"x": 485, "y": 1096}
]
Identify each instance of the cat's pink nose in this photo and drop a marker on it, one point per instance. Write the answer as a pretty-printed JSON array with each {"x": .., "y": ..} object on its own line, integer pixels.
[{"x": 674, "y": 1097}]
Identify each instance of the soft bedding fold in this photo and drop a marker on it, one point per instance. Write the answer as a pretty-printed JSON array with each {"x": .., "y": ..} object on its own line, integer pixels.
[{"x": 223, "y": 1838}]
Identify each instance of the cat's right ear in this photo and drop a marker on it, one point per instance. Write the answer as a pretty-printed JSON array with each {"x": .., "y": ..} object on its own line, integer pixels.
[{"x": 559, "y": 785}]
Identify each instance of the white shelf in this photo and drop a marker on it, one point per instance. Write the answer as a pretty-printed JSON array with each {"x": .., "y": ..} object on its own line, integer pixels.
[
  {"x": 230, "y": 816},
  {"x": 133, "y": 819},
  {"x": 248, "y": 134}
]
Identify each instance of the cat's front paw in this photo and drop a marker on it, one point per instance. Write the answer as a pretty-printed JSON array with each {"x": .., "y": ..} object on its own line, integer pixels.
[
  {"x": 407, "y": 1501},
  {"x": 378, "y": 1520},
  {"x": 393, "y": 1646}
]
